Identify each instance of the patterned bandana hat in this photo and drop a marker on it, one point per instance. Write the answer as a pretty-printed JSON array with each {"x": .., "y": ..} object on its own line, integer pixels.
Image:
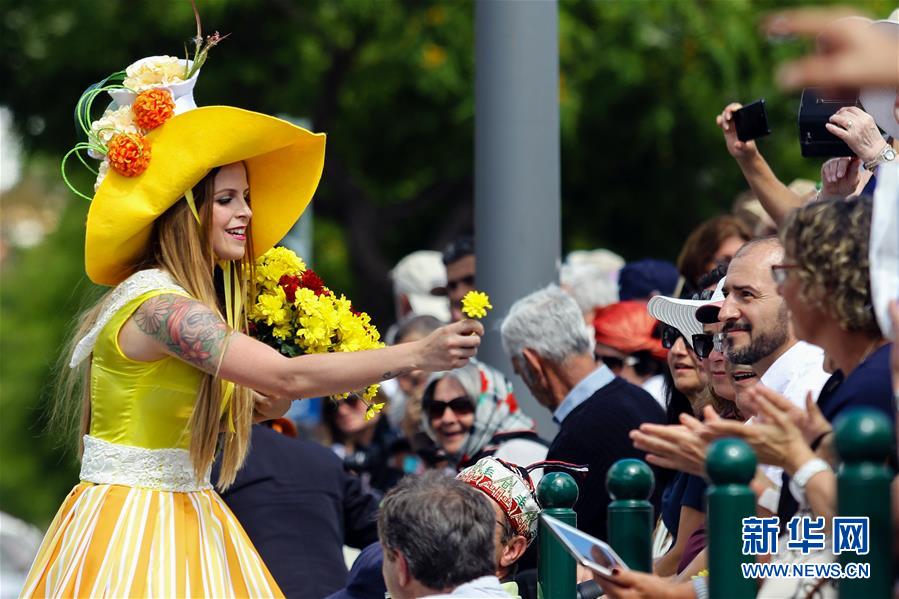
[{"x": 510, "y": 486}]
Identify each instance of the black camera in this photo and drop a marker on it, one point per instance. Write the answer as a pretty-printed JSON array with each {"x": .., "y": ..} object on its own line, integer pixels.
[
  {"x": 815, "y": 110},
  {"x": 362, "y": 460}
]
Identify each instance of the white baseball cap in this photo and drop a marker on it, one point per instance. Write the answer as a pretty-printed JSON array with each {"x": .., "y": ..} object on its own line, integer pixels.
[{"x": 416, "y": 276}]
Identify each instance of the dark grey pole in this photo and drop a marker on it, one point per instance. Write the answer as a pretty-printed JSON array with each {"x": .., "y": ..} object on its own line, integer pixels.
[{"x": 517, "y": 216}]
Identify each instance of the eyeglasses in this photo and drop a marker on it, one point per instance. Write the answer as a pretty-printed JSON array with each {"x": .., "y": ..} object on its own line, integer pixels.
[
  {"x": 704, "y": 343},
  {"x": 779, "y": 272},
  {"x": 460, "y": 406},
  {"x": 670, "y": 335}
]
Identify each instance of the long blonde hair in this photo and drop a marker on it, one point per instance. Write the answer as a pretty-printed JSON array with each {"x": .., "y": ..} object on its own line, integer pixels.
[{"x": 184, "y": 249}]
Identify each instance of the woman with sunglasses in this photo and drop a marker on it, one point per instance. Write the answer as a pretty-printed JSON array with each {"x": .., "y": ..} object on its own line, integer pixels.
[
  {"x": 471, "y": 413},
  {"x": 364, "y": 445},
  {"x": 687, "y": 389}
]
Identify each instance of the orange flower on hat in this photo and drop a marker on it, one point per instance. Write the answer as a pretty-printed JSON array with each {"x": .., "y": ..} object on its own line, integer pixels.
[
  {"x": 128, "y": 154},
  {"x": 152, "y": 108}
]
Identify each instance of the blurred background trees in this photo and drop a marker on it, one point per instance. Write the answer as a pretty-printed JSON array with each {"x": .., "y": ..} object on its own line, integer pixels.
[{"x": 391, "y": 82}]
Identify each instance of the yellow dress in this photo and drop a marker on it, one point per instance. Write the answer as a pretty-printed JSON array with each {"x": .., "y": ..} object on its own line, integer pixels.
[{"x": 139, "y": 524}]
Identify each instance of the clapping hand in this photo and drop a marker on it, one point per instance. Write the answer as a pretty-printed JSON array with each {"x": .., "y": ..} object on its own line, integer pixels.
[
  {"x": 775, "y": 437},
  {"x": 675, "y": 446}
]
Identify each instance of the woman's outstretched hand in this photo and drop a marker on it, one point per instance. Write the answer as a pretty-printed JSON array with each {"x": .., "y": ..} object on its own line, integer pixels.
[{"x": 450, "y": 346}]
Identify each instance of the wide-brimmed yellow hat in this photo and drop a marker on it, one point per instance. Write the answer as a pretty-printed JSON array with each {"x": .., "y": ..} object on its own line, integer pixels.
[{"x": 284, "y": 165}]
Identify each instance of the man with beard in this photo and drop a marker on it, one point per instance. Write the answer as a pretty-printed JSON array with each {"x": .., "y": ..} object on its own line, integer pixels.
[{"x": 756, "y": 323}]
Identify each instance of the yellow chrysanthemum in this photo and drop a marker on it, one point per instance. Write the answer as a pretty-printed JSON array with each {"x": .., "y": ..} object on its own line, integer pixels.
[
  {"x": 475, "y": 304},
  {"x": 276, "y": 263},
  {"x": 271, "y": 308}
]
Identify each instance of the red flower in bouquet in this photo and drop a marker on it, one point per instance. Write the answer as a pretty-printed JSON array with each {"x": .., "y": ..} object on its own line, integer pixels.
[
  {"x": 290, "y": 284},
  {"x": 310, "y": 280}
]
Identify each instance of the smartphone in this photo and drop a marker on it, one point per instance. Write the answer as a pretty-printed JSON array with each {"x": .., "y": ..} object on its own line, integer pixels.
[
  {"x": 751, "y": 121},
  {"x": 586, "y": 550}
]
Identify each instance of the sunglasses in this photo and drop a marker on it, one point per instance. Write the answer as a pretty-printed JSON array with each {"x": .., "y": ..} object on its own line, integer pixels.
[
  {"x": 468, "y": 281},
  {"x": 704, "y": 343},
  {"x": 670, "y": 335},
  {"x": 461, "y": 406},
  {"x": 779, "y": 272}
]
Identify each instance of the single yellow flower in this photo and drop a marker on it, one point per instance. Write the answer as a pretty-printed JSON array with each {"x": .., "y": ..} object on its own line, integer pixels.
[{"x": 475, "y": 304}]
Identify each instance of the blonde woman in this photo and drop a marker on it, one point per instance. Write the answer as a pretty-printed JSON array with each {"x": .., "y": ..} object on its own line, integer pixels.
[{"x": 163, "y": 381}]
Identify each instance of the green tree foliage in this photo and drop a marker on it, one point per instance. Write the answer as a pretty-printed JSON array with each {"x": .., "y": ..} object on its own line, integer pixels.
[{"x": 391, "y": 82}]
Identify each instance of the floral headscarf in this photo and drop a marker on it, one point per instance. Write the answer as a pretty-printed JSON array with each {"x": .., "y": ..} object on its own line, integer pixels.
[{"x": 496, "y": 409}]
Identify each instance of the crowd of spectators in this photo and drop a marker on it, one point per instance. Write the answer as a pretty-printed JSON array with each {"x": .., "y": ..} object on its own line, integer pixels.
[{"x": 770, "y": 326}]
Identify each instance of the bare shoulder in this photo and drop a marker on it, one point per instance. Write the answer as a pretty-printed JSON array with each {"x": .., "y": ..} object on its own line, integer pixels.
[{"x": 182, "y": 327}]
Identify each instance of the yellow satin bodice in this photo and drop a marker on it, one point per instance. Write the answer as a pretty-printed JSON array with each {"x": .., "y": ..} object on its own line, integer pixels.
[{"x": 143, "y": 404}]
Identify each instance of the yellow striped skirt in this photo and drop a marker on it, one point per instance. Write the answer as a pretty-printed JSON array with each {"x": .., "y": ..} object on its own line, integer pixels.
[{"x": 111, "y": 540}]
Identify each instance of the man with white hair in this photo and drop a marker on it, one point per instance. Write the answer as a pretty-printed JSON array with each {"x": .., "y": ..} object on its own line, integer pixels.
[{"x": 551, "y": 349}]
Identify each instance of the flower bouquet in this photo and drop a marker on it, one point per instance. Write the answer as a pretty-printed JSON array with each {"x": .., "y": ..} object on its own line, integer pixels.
[{"x": 295, "y": 313}]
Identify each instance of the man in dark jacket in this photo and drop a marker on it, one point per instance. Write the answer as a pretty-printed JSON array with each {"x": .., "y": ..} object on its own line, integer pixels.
[
  {"x": 299, "y": 507},
  {"x": 552, "y": 350}
]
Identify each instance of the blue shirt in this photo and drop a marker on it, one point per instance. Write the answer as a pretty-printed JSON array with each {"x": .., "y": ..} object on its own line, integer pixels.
[
  {"x": 868, "y": 385},
  {"x": 581, "y": 392}
]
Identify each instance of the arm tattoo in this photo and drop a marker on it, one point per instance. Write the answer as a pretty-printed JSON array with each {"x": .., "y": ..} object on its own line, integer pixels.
[
  {"x": 188, "y": 329},
  {"x": 388, "y": 375}
]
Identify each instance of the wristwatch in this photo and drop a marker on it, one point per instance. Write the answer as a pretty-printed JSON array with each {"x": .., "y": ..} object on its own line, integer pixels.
[
  {"x": 800, "y": 479},
  {"x": 887, "y": 154}
]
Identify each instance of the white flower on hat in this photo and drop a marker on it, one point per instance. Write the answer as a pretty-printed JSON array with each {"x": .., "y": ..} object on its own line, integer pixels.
[
  {"x": 101, "y": 174},
  {"x": 119, "y": 120},
  {"x": 154, "y": 72}
]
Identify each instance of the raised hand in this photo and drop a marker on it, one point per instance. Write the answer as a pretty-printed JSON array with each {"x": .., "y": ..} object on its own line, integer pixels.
[
  {"x": 858, "y": 129},
  {"x": 451, "y": 346},
  {"x": 855, "y": 54},
  {"x": 740, "y": 150}
]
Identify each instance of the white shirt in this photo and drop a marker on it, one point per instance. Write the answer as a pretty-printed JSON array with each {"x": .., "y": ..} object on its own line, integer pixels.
[
  {"x": 799, "y": 370},
  {"x": 655, "y": 386},
  {"x": 485, "y": 586}
]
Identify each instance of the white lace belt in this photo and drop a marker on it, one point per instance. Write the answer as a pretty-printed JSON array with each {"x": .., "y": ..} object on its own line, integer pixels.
[{"x": 168, "y": 469}]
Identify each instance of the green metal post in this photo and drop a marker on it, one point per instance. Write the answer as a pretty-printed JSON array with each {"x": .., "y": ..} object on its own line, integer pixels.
[
  {"x": 556, "y": 569},
  {"x": 730, "y": 464},
  {"x": 864, "y": 440},
  {"x": 630, "y": 516}
]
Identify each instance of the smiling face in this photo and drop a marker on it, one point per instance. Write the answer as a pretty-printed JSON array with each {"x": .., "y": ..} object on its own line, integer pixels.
[
  {"x": 451, "y": 427},
  {"x": 742, "y": 377},
  {"x": 755, "y": 317},
  {"x": 231, "y": 212},
  {"x": 716, "y": 368},
  {"x": 686, "y": 369}
]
